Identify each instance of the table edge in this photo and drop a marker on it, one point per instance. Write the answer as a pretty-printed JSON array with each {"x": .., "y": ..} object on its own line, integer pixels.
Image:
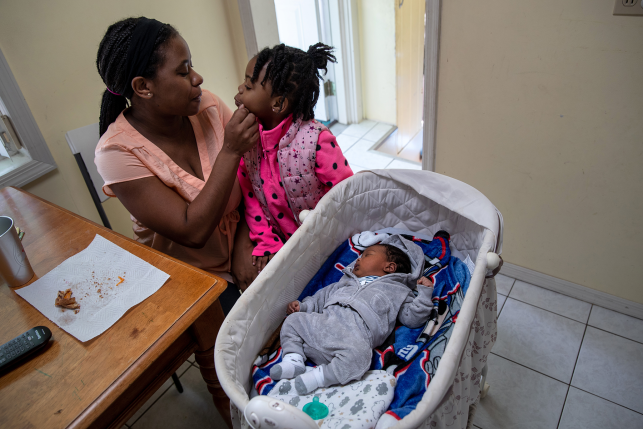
[{"x": 102, "y": 402}]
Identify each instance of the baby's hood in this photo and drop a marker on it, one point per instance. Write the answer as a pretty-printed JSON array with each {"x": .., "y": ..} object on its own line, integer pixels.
[{"x": 414, "y": 253}]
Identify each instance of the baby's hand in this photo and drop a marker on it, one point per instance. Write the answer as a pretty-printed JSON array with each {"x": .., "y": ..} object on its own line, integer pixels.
[
  {"x": 293, "y": 307},
  {"x": 261, "y": 261},
  {"x": 425, "y": 282}
]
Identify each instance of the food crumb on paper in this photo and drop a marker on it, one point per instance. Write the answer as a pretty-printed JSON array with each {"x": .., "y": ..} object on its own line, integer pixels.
[
  {"x": 121, "y": 280},
  {"x": 65, "y": 300}
]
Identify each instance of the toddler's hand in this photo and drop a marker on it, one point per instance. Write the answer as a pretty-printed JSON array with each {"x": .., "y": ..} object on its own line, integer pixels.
[
  {"x": 425, "y": 282},
  {"x": 293, "y": 307},
  {"x": 261, "y": 261}
]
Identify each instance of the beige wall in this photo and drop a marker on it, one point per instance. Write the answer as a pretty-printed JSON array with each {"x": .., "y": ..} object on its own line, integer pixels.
[
  {"x": 377, "y": 53},
  {"x": 51, "y": 48},
  {"x": 540, "y": 107}
]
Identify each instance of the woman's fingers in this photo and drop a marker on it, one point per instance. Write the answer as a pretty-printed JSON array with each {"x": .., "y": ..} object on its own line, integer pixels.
[
  {"x": 254, "y": 260},
  {"x": 239, "y": 115},
  {"x": 249, "y": 121}
]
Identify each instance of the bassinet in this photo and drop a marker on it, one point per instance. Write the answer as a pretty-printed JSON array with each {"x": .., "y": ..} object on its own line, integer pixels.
[{"x": 417, "y": 201}]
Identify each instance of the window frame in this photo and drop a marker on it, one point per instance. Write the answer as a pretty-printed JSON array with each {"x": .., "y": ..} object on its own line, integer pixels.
[{"x": 42, "y": 161}]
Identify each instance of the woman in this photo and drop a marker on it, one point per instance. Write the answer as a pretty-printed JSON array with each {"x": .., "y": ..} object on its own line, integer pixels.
[{"x": 171, "y": 157}]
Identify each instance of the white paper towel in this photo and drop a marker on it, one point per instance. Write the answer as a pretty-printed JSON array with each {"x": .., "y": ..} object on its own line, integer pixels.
[{"x": 93, "y": 275}]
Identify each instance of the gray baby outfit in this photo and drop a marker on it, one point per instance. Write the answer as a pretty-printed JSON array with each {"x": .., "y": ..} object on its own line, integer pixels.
[{"x": 339, "y": 326}]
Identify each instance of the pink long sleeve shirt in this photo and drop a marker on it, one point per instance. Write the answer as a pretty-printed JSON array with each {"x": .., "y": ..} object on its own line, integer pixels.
[{"x": 331, "y": 168}]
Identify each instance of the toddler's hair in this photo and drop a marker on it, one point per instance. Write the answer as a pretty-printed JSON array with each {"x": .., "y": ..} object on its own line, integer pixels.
[
  {"x": 295, "y": 75},
  {"x": 401, "y": 259}
]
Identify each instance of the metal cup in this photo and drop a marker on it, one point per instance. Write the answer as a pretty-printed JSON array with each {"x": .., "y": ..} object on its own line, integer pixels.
[{"x": 14, "y": 265}]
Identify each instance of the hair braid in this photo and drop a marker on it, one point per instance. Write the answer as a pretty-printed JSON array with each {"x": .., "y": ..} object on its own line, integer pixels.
[
  {"x": 111, "y": 63},
  {"x": 295, "y": 74}
]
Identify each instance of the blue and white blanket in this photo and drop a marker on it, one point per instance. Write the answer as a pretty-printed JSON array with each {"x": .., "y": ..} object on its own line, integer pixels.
[{"x": 411, "y": 355}]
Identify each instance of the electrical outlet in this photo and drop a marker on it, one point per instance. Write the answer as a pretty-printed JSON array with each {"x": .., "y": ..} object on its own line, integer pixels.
[{"x": 628, "y": 7}]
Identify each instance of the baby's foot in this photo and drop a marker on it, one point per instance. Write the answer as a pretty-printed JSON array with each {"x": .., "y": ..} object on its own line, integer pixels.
[
  {"x": 291, "y": 366},
  {"x": 309, "y": 381}
]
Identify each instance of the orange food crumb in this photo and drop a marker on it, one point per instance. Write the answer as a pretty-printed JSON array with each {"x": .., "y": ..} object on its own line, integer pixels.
[{"x": 121, "y": 280}]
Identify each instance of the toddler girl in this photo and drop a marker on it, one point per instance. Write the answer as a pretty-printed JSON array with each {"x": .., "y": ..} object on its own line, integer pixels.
[{"x": 296, "y": 160}]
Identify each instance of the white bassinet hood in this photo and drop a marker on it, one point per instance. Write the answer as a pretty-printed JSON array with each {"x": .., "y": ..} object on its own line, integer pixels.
[{"x": 453, "y": 194}]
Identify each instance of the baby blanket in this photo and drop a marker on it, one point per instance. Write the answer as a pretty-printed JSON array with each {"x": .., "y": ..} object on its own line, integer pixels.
[
  {"x": 357, "y": 405},
  {"x": 410, "y": 355}
]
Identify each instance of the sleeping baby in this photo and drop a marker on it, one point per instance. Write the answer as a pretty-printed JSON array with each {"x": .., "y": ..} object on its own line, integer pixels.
[{"x": 338, "y": 327}]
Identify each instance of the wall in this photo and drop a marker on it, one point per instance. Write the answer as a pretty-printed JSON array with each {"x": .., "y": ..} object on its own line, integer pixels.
[
  {"x": 377, "y": 53},
  {"x": 264, "y": 19},
  {"x": 51, "y": 48},
  {"x": 539, "y": 107}
]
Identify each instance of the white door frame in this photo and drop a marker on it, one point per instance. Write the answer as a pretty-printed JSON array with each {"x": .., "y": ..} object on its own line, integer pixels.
[
  {"x": 348, "y": 70},
  {"x": 263, "y": 32},
  {"x": 431, "y": 58},
  {"x": 259, "y": 22}
]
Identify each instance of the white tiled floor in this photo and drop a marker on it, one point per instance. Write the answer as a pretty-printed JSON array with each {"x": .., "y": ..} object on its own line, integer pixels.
[
  {"x": 550, "y": 368},
  {"x": 357, "y": 142},
  {"x": 561, "y": 363}
]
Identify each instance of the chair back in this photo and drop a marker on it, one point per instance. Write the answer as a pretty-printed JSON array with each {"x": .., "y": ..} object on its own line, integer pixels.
[{"x": 83, "y": 141}]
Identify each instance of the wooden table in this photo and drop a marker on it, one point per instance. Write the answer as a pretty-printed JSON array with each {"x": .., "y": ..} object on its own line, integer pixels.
[{"x": 102, "y": 382}]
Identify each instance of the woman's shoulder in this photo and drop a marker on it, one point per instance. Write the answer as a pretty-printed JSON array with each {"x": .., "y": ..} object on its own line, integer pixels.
[{"x": 116, "y": 136}]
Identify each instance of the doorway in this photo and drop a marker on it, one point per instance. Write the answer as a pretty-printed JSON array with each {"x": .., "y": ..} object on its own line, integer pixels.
[{"x": 374, "y": 98}]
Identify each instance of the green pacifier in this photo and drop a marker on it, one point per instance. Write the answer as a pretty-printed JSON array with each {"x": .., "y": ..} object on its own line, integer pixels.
[{"x": 316, "y": 410}]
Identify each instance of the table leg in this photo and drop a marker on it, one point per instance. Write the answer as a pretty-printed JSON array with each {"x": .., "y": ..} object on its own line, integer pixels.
[{"x": 205, "y": 330}]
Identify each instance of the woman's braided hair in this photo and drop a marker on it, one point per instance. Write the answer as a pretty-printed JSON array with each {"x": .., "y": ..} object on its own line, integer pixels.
[
  {"x": 112, "y": 66},
  {"x": 295, "y": 75}
]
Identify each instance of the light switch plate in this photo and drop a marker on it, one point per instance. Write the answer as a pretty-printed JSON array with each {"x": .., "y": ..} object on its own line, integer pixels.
[{"x": 628, "y": 7}]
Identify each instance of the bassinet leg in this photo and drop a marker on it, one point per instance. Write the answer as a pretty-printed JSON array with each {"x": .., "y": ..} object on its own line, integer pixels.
[
  {"x": 484, "y": 387},
  {"x": 204, "y": 330}
]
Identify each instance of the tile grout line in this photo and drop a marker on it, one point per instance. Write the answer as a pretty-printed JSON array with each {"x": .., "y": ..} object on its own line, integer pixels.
[
  {"x": 612, "y": 333},
  {"x": 574, "y": 370},
  {"x": 585, "y": 323},
  {"x": 569, "y": 318},
  {"x": 531, "y": 369},
  {"x": 607, "y": 400},
  {"x": 562, "y": 410},
  {"x": 501, "y": 308},
  {"x": 544, "y": 309}
]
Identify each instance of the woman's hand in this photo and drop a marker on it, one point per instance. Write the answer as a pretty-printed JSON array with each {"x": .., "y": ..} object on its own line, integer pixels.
[
  {"x": 243, "y": 270},
  {"x": 241, "y": 132},
  {"x": 293, "y": 307},
  {"x": 261, "y": 261}
]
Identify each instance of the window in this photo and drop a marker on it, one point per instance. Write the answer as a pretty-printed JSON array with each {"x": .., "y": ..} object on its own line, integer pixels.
[{"x": 24, "y": 155}]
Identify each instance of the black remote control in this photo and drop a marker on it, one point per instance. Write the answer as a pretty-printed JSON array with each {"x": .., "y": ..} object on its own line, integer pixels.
[{"x": 16, "y": 350}]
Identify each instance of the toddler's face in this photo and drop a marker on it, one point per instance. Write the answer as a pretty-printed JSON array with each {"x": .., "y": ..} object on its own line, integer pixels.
[
  {"x": 373, "y": 262},
  {"x": 254, "y": 96}
]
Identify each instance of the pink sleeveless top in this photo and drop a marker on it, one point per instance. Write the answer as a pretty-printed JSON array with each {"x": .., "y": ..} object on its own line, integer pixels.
[{"x": 123, "y": 154}]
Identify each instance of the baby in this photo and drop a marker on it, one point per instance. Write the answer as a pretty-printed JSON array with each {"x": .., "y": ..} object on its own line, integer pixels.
[{"x": 338, "y": 327}]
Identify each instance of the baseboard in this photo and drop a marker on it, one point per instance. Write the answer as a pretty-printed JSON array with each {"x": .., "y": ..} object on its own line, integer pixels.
[{"x": 573, "y": 290}]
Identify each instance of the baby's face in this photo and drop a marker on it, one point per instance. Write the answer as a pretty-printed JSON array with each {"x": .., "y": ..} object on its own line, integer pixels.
[{"x": 373, "y": 262}]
